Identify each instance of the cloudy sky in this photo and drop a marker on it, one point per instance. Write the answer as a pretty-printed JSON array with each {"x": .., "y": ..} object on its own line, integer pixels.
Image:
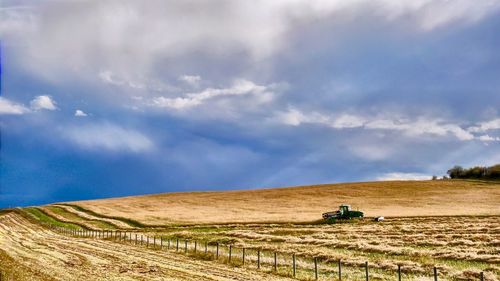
[{"x": 113, "y": 98}]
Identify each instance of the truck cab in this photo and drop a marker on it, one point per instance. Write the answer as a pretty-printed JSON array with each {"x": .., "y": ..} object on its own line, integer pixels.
[{"x": 344, "y": 209}]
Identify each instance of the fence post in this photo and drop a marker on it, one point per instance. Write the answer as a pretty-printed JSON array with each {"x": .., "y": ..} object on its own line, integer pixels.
[
  {"x": 136, "y": 239},
  {"x": 243, "y": 258},
  {"x": 366, "y": 271},
  {"x": 195, "y": 246},
  {"x": 206, "y": 247},
  {"x": 340, "y": 270},
  {"x": 130, "y": 237},
  {"x": 147, "y": 241},
  {"x": 258, "y": 259},
  {"x": 294, "y": 264},
  {"x": 275, "y": 261},
  {"x": 185, "y": 246},
  {"x": 217, "y": 252},
  {"x": 142, "y": 239},
  {"x": 481, "y": 276},
  {"x": 168, "y": 244},
  {"x": 315, "y": 268},
  {"x": 399, "y": 272},
  {"x": 435, "y": 274},
  {"x": 161, "y": 243},
  {"x": 230, "y": 252},
  {"x": 177, "y": 245}
]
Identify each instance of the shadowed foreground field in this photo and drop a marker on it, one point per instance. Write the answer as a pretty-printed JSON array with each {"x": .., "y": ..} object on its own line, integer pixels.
[{"x": 306, "y": 203}]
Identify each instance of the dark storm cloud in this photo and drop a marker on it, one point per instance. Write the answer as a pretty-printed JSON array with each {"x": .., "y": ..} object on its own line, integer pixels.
[{"x": 168, "y": 95}]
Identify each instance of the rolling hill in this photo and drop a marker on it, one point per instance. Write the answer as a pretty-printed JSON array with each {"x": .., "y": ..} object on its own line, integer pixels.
[{"x": 307, "y": 203}]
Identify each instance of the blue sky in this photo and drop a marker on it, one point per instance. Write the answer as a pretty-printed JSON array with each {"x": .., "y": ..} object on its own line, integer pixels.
[{"x": 115, "y": 98}]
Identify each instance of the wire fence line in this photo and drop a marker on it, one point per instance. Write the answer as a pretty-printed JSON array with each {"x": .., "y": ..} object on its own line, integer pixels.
[{"x": 280, "y": 263}]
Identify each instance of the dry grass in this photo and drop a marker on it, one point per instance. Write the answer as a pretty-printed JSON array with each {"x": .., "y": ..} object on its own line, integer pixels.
[
  {"x": 306, "y": 203},
  {"x": 454, "y": 225},
  {"x": 458, "y": 246},
  {"x": 31, "y": 252}
]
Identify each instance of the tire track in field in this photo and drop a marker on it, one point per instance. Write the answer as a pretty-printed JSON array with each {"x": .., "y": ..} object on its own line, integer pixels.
[{"x": 83, "y": 215}]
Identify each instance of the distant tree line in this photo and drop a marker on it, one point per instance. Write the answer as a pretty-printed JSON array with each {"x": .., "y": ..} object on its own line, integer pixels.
[{"x": 487, "y": 173}]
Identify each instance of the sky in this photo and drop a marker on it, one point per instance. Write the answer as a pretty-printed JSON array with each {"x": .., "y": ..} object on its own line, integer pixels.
[{"x": 114, "y": 98}]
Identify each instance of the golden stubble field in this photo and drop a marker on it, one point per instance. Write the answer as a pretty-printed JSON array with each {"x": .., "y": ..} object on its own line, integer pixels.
[
  {"x": 451, "y": 225},
  {"x": 306, "y": 203}
]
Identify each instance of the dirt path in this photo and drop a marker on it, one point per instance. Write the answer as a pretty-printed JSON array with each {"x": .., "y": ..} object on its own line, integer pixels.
[{"x": 48, "y": 253}]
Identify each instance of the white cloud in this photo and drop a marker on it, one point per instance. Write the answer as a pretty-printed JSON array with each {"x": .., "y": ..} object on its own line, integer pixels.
[
  {"x": 396, "y": 176},
  {"x": 190, "y": 79},
  {"x": 137, "y": 82},
  {"x": 108, "y": 136},
  {"x": 488, "y": 138},
  {"x": 107, "y": 76},
  {"x": 80, "y": 113},
  {"x": 347, "y": 121},
  {"x": 418, "y": 127},
  {"x": 240, "y": 87},
  {"x": 43, "y": 102},
  {"x": 486, "y": 126},
  {"x": 295, "y": 117},
  {"x": 8, "y": 107},
  {"x": 110, "y": 78},
  {"x": 292, "y": 117}
]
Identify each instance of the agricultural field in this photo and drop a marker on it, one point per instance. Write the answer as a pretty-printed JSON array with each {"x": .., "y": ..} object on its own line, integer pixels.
[
  {"x": 428, "y": 225},
  {"x": 306, "y": 203}
]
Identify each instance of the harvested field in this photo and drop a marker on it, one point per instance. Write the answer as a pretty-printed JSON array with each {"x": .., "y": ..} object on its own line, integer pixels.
[
  {"x": 460, "y": 247},
  {"x": 51, "y": 256},
  {"x": 305, "y": 204}
]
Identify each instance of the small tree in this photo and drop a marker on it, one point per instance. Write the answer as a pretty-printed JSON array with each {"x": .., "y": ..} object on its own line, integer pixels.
[
  {"x": 456, "y": 172},
  {"x": 493, "y": 172}
]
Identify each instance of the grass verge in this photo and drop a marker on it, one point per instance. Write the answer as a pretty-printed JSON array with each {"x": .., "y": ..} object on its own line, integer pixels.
[
  {"x": 43, "y": 217},
  {"x": 130, "y": 222},
  {"x": 76, "y": 218}
]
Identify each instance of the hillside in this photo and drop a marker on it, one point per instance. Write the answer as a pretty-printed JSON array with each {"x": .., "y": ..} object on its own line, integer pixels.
[
  {"x": 306, "y": 203},
  {"x": 108, "y": 239}
]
